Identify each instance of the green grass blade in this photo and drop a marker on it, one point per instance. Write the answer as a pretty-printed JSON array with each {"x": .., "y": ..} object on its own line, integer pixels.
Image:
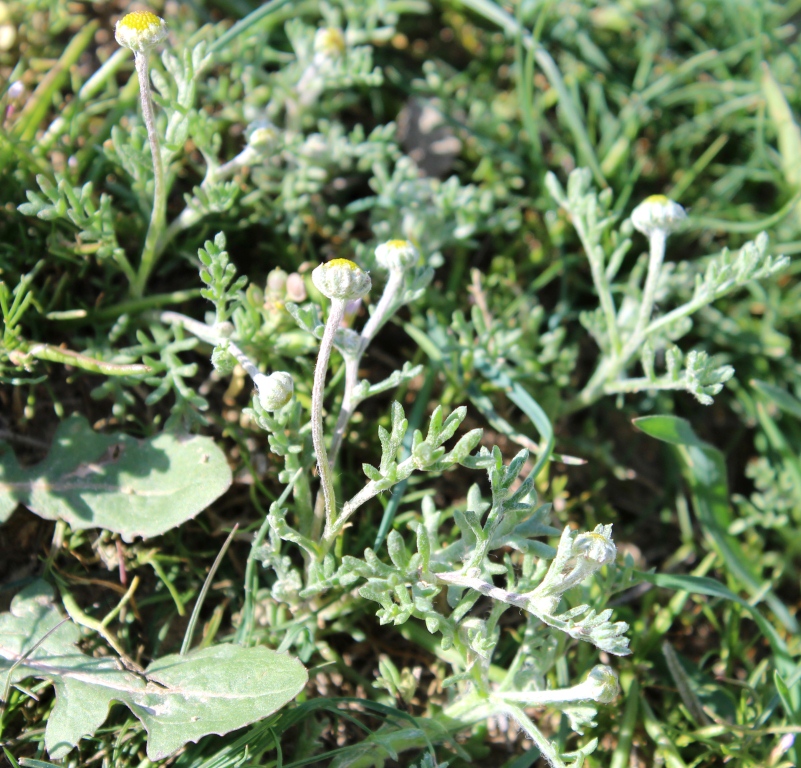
[
  {"x": 704, "y": 471},
  {"x": 37, "y": 106},
  {"x": 526, "y": 403},
  {"x": 787, "y": 131},
  {"x": 665, "y": 747},
  {"x": 703, "y": 585},
  {"x": 243, "y": 25},
  {"x": 783, "y": 400},
  {"x": 573, "y": 117}
]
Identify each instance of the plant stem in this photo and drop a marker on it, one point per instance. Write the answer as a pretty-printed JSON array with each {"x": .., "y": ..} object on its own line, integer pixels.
[
  {"x": 246, "y": 627},
  {"x": 656, "y": 241},
  {"x": 84, "y": 362},
  {"x": 158, "y": 212},
  {"x": 190, "y": 215},
  {"x": 318, "y": 391},
  {"x": 210, "y": 336},
  {"x": 595, "y": 257},
  {"x": 545, "y": 747},
  {"x": 603, "y": 380},
  {"x": 381, "y": 314}
]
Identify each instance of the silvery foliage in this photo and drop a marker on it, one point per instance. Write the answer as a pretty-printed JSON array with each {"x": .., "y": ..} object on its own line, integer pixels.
[
  {"x": 655, "y": 340},
  {"x": 445, "y": 568},
  {"x": 300, "y": 175},
  {"x": 77, "y": 205}
]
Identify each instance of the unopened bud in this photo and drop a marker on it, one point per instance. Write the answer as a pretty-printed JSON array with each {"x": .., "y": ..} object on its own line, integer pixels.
[
  {"x": 329, "y": 42},
  {"x": 657, "y": 212},
  {"x": 597, "y": 546},
  {"x": 396, "y": 255},
  {"x": 602, "y": 685},
  {"x": 275, "y": 390},
  {"x": 276, "y": 281},
  {"x": 341, "y": 279},
  {"x": 295, "y": 288},
  {"x": 262, "y": 134}
]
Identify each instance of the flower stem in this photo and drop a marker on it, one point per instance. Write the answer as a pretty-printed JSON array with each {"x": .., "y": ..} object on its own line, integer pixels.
[
  {"x": 656, "y": 241},
  {"x": 380, "y": 315},
  {"x": 210, "y": 336},
  {"x": 158, "y": 213},
  {"x": 318, "y": 391},
  {"x": 604, "y": 380}
]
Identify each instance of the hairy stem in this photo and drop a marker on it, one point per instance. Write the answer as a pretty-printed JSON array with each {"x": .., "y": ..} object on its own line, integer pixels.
[
  {"x": 656, "y": 241},
  {"x": 595, "y": 257},
  {"x": 603, "y": 380},
  {"x": 210, "y": 336},
  {"x": 318, "y": 391},
  {"x": 190, "y": 214},
  {"x": 158, "y": 212},
  {"x": 381, "y": 314}
]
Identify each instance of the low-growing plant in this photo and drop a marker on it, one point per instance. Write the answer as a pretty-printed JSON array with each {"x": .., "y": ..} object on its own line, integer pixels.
[{"x": 383, "y": 487}]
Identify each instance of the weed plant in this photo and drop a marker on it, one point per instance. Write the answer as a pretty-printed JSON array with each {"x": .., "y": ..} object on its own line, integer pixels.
[{"x": 339, "y": 337}]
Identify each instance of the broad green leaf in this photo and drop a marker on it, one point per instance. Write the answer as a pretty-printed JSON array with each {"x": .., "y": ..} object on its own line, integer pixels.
[
  {"x": 704, "y": 470},
  {"x": 132, "y": 487},
  {"x": 178, "y": 698}
]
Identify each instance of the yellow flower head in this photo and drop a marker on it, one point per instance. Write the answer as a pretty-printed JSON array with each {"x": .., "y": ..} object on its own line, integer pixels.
[
  {"x": 341, "y": 279},
  {"x": 396, "y": 255},
  {"x": 329, "y": 42},
  {"x": 657, "y": 212},
  {"x": 140, "y": 31}
]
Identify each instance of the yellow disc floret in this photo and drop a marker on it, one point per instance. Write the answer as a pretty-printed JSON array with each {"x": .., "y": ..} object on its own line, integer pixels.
[
  {"x": 140, "y": 31},
  {"x": 338, "y": 263},
  {"x": 329, "y": 42},
  {"x": 658, "y": 213},
  {"x": 341, "y": 279},
  {"x": 396, "y": 255}
]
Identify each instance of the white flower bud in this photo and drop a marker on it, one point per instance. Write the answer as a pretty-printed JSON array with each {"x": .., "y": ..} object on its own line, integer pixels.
[
  {"x": 16, "y": 90},
  {"x": 276, "y": 281},
  {"x": 295, "y": 288},
  {"x": 224, "y": 330},
  {"x": 341, "y": 279},
  {"x": 329, "y": 42},
  {"x": 396, "y": 255},
  {"x": 601, "y": 684},
  {"x": 597, "y": 546},
  {"x": 262, "y": 135},
  {"x": 657, "y": 212},
  {"x": 140, "y": 31},
  {"x": 275, "y": 390}
]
